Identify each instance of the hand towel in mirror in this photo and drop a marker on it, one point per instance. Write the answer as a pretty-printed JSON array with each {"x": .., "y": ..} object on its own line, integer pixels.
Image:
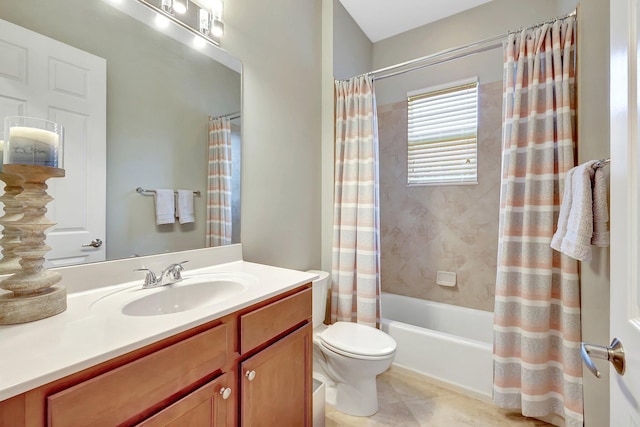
[
  {"x": 165, "y": 206},
  {"x": 185, "y": 206}
]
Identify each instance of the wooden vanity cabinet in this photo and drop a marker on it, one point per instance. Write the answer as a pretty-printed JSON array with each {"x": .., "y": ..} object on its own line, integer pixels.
[
  {"x": 195, "y": 378},
  {"x": 275, "y": 389},
  {"x": 276, "y": 379}
]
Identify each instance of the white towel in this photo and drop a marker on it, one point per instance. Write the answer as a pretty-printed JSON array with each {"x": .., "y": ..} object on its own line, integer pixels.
[
  {"x": 565, "y": 208},
  {"x": 582, "y": 219},
  {"x": 185, "y": 206},
  {"x": 165, "y": 207},
  {"x": 600, "y": 210}
]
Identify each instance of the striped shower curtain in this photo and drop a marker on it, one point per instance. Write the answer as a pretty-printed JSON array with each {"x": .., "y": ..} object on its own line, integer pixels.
[
  {"x": 537, "y": 364},
  {"x": 355, "y": 292},
  {"x": 219, "y": 183}
]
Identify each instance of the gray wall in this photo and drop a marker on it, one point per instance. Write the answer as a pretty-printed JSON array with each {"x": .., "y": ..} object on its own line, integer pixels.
[
  {"x": 159, "y": 96},
  {"x": 279, "y": 43},
  {"x": 593, "y": 137},
  {"x": 352, "y": 49}
]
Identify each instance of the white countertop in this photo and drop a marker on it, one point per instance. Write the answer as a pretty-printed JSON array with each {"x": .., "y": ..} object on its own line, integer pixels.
[{"x": 36, "y": 353}]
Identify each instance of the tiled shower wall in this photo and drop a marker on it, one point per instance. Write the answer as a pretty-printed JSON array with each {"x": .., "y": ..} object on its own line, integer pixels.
[{"x": 450, "y": 227}]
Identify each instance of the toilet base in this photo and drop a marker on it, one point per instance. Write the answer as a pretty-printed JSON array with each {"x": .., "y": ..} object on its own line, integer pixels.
[{"x": 359, "y": 399}]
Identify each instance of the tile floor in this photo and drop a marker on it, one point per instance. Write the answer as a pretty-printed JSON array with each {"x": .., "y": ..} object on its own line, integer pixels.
[{"x": 405, "y": 401}]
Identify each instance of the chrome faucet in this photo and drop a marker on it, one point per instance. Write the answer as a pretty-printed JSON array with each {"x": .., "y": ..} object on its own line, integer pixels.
[{"x": 170, "y": 275}]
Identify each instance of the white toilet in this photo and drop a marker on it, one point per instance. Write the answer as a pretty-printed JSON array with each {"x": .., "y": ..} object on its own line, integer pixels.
[{"x": 347, "y": 357}]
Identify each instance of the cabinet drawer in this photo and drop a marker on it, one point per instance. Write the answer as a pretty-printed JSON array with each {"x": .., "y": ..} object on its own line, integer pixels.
[
  {"x": 259, "y": 326},
  {"x": 124, "y": 394}
]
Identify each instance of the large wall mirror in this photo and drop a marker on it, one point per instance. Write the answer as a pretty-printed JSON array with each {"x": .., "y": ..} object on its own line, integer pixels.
[{"x": 160, "y": 94}]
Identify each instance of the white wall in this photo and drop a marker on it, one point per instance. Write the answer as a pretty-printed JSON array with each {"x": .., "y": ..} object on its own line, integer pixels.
[{"x": 279, "y": 43}]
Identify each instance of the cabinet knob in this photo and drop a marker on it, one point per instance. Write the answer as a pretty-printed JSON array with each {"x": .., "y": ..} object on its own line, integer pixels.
[
  {"x": 250, "y": 375},
  {"x": 225, "y": 392}
]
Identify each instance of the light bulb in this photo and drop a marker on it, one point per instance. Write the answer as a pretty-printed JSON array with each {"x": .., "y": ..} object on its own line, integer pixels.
[{"x": 218, "y": 28}]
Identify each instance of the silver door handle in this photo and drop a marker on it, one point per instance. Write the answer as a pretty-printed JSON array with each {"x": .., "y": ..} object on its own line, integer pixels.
[
  {"x": 95, "y": 243},
  {"x": 614, "y": 353}
]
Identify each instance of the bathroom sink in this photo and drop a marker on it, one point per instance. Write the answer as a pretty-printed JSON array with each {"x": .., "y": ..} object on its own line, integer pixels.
[
  {"x": 174, "y": 299},
  {"x": 191, "y": 293}
]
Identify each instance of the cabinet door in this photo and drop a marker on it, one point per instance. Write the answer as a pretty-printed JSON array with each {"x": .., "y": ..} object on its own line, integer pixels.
[
  {"x": 276, "y": 383},
  {"x": 210, "y": 405}
]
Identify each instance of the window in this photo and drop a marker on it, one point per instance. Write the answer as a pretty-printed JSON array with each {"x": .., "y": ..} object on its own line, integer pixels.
[{"x": 442, "y": 135}]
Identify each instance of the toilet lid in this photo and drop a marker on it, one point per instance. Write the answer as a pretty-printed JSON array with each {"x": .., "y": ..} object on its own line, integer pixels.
[{"x": 358, "y": 339}]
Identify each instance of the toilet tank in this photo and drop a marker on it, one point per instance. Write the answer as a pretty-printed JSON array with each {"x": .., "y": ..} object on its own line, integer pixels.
[{"x": 319, "y": 290}]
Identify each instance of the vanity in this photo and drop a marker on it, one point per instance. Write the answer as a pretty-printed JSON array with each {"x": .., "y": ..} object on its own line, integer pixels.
[{"x": 195, "y": 358}]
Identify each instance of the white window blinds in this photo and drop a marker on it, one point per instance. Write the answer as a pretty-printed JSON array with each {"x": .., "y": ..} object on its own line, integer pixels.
[{"x": 442, "y": 135}]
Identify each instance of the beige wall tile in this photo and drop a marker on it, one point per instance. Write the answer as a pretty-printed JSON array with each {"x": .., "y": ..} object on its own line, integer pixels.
[{"x": 429, "y": 228}]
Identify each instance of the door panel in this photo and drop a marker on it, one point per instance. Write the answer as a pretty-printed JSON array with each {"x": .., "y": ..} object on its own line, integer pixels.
[{"x": 625, "y": 198}]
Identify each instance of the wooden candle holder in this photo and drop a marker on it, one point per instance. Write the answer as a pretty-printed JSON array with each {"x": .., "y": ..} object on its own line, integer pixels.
[
  {"x": 10, "y": 240},
  {"x": 33, "y": 295}
]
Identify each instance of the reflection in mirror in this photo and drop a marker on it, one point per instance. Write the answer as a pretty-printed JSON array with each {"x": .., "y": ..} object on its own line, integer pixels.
[{"x": 151, "y": 127}]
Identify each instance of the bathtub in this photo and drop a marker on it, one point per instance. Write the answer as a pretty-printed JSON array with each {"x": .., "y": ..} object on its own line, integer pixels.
[{"x": 451, "y": 345}]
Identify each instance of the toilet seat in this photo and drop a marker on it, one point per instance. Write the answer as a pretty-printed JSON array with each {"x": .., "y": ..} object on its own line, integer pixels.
[{"x": 357, "y": 341}]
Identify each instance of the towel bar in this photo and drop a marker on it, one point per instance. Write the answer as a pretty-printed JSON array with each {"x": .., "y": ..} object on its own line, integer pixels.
[
  {"x": 143, "y": 191},
  {"x": 601, "y": 163}
]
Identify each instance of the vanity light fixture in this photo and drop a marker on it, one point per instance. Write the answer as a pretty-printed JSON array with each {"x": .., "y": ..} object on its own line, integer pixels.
[{"x": 202, "y": 18}]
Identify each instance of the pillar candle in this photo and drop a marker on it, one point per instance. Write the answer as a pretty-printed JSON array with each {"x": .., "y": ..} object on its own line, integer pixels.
[{"x": 33, "y": 146}]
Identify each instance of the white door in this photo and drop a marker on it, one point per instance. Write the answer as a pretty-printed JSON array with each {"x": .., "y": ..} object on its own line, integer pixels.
[
  {"x": 41, "y": 77},
  {"x": 625, "y": 208}
]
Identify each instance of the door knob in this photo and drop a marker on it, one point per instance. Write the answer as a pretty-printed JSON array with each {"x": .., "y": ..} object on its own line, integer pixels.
[
  {"x": 95, "y": 243},
  {"x": 614, "y": 353},
  {"x": 225, "y": 392},
  {"x": 250, "y": 375}
]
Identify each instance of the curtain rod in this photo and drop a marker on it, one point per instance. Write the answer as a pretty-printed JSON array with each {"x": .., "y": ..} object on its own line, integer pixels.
[
  {"x": 452, "y": 53},
  {"x": 415, "y": 64},
  {"x": 540, "y": 24},
  {"x": 231, "y": 116}
]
